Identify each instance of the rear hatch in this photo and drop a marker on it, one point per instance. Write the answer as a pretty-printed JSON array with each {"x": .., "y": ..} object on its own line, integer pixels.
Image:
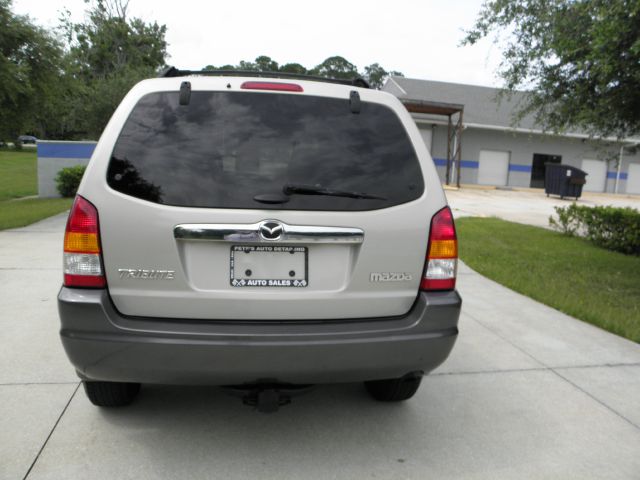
[{"x": 262, "y": 205}]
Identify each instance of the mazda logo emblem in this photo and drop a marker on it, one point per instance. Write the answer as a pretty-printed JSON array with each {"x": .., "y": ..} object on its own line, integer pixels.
[{"x": 271, "y": 230}]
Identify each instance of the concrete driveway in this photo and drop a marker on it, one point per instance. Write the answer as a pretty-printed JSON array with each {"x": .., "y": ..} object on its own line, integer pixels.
[
  {"x": 529, "y": 206},
  {"x": 527, "y": 393}
]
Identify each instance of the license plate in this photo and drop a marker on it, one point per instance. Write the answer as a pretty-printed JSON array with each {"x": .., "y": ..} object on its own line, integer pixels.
[{"x": 269, "y": 266}]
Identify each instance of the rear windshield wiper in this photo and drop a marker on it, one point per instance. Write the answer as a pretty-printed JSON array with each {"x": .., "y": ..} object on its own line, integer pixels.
[{"x": 301, "y": 189}]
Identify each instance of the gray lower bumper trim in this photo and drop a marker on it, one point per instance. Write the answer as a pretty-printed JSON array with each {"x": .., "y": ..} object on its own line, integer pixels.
[{"x": 104, "y": 345}]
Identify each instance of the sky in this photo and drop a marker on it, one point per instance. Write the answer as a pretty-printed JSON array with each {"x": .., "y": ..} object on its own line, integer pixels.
[{"x": 418, "y": 38}]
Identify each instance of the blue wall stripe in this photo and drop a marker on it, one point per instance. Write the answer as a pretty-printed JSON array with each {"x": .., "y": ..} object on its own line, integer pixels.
[
  {"x": 442, "y": 162},
  {"x": 519, "y": 168},
  {"x": 65, "y": 150},
  {"x": 612, "y": 175},
  {"x": 469, "y": 164}
]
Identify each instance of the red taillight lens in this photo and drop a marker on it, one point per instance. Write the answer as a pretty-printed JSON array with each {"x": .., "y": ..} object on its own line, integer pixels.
[
  {"x": 82, "y": 261},
  {"x": 278, "y": 86},
  {"x": 442, "y": 254}
]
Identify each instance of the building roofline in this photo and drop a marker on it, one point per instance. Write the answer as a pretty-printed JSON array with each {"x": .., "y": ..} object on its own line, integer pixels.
[
  {"x": 417, "y": 101},
  {"x": 392, "y": 79},
  {"x": 500, "y": 128},
  {"x": 431, "y": 107}
]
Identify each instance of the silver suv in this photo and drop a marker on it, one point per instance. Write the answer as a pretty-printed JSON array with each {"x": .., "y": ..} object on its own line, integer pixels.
[{"x": 262, "y": 233}]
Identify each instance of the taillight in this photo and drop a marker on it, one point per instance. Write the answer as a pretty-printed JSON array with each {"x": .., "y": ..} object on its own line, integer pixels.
[
  {"x": 442, "y": 253},
  {"x": 278, "y": 86},
  {"x": 82, "y": 261}
]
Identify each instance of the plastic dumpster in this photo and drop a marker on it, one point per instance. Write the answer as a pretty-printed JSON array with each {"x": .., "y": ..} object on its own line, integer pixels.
[{"x": 563, "y": 180}]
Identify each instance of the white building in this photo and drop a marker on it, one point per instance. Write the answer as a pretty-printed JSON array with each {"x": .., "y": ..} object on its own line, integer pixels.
[{"x": 495, "y": 152}]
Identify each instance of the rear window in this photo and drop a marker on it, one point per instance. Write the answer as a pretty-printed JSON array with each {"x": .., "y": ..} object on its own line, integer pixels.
[{"x": 224, "y": 148}]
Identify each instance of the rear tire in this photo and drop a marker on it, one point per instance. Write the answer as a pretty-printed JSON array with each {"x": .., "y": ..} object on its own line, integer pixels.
[
  {"x": 111, "y": 394},
  {"x": 394, "y": 389}
]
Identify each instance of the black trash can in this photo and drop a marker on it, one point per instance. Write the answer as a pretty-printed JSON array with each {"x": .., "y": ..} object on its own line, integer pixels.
[{"x": 563, "y": 180}]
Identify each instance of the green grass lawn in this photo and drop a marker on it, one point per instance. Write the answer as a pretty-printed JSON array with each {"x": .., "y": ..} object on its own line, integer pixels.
[
  {"x": 19, "y": 213},
  {"x": 18, "y": 174},
  {"x": 569, "y": 274},
  {"x": 19, "y": 178}
]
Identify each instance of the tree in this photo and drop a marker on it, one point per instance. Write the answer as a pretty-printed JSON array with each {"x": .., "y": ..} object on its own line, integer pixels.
[
  {"x": 376, "y": 75},
  {"x": 247, "y": 66},
  {"x": 265, "y": 64},
  {"x": 29, "y": 58},
  {"x": 336, "y": 67},
  {"x": 579, "y": 61},
  {"x": 106, "y": 56},
  {"x": 224, "y": 67},
  {"x": 294, "y": 68},
  {"x": 261, "y": 64},
  {"x": 332, "y": 67},
  {"x": 109, "y": 41}
]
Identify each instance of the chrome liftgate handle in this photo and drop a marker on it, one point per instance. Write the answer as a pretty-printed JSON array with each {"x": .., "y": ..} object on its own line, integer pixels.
[{"x": 267, "y": 231}]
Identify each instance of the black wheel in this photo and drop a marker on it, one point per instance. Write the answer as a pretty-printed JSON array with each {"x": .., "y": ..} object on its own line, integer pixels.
[
  {"x": 111, "y": 394},
  {"x": 394, "y": 389}
]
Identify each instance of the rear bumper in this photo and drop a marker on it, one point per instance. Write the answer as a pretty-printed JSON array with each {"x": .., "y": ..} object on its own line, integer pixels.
[{"x": 104, "y": 345}]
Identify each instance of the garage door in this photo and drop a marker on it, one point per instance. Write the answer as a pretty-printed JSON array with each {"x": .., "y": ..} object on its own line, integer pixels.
[
  {"x": 596, "y": 175},
  {"x": 633, "y": 178},
  {"x": 493, "y": 168}
]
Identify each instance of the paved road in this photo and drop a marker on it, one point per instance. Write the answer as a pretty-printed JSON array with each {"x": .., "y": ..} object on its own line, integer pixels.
[
  {"x": 527, "y": 393},
  {"x": 526, "y": 205}
]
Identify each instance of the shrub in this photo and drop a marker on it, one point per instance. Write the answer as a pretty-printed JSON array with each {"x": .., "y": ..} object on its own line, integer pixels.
[
  {"x": 68, "y": 180},
  {"x": 612, "y": 228}
]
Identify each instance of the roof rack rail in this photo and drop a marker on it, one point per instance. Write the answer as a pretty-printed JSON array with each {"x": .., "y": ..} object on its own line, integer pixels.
[{"x": 174, "y": 72}]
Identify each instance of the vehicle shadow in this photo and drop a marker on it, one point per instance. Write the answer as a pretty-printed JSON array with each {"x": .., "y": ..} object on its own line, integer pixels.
[{"x": 332, "y": 427}]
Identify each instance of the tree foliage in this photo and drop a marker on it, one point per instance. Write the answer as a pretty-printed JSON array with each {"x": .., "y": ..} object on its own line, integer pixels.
[
  {"x": 293, "y": 68},
  {"x": 579, "y": 60},
  {"x": 66, "y": 83},
  {"x": 109, "y": 41},
  {"x": 332, "y": 67},
  {"x": 29, "y": 69},
  {"x": 376, "y": 75},
  {"x": 107, "y": 54},
  {"x": 336, "y": 67}
]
